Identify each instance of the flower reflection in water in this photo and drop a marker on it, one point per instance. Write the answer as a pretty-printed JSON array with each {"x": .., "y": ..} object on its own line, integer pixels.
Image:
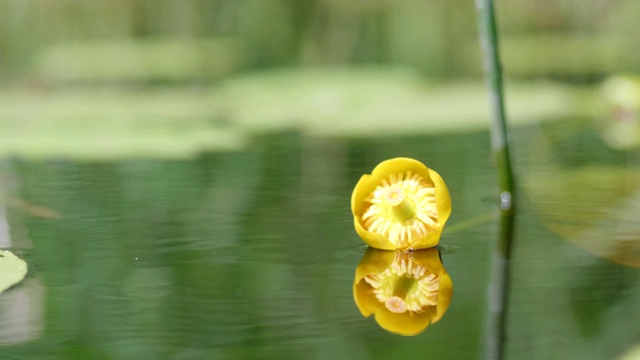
[{"x": 406, "y": 291}]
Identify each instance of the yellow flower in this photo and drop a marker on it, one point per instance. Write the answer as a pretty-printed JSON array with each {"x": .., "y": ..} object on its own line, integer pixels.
[
  {"x": 401, "y": 205},
  {"x": 405, "y": 291}
]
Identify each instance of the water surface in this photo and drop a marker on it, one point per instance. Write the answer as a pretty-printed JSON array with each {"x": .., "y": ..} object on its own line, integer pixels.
[{"x": 251, "y": 254}]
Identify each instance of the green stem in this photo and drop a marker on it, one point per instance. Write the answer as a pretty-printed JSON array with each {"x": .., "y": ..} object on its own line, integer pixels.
[{"x": 498, "y": 292}]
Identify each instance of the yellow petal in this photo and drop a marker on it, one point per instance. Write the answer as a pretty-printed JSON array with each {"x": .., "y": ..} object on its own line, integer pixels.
[
  {"x": 365, "y": 185},
  {"x": 405, "y": 323},
  {"x": 365, "y": 301},
  {"x": 400, "y": 165},
  {"x": 444, "y": 296},
  {"x": 443, "y": 199},
  {"x": 427, "y": 242},
  {"x": 428, "y": 259},
  {"x": 374, "y": 262},
  {"x": 372, "y": 239}
]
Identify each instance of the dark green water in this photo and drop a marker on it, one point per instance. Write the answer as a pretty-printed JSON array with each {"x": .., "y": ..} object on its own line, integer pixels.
[{"x": 252, "y": 254}]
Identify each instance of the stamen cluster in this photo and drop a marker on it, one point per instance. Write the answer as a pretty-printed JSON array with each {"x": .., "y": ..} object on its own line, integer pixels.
[
  {"x": 405, "y": 286},
  {"x": 403, "y": 208}
]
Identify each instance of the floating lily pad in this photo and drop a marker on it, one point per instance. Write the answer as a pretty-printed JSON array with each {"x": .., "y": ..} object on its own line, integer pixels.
[
  {"x": 560, "y": 54},
  {"x": 12, "y": 269},
  {"x": 96, "y": 124},
  {"x": 381, "y": 102},
  {"x": 112, "y": 124}
]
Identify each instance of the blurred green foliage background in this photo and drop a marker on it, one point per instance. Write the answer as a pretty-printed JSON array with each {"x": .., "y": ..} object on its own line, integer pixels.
[
  {"x": 174, "y": 78},
  {"x": 196, "y": 40},
  {"x": 201, "y": 155}
]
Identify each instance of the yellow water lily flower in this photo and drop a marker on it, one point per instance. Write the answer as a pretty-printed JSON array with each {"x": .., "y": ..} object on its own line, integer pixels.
[
  {"x": 406, "y": 291},
  {"x": 401, "y": 205}
]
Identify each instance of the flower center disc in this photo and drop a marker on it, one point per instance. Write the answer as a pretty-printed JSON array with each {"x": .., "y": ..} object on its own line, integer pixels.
[
  {"x": 395, "y": 195},
  {"x": 403, "y": 209},
  {"x": 395, "y": 304}
]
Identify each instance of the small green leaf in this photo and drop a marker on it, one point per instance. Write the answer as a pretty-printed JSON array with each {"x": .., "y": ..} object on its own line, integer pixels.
[{"x": 12, "y": 270}]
